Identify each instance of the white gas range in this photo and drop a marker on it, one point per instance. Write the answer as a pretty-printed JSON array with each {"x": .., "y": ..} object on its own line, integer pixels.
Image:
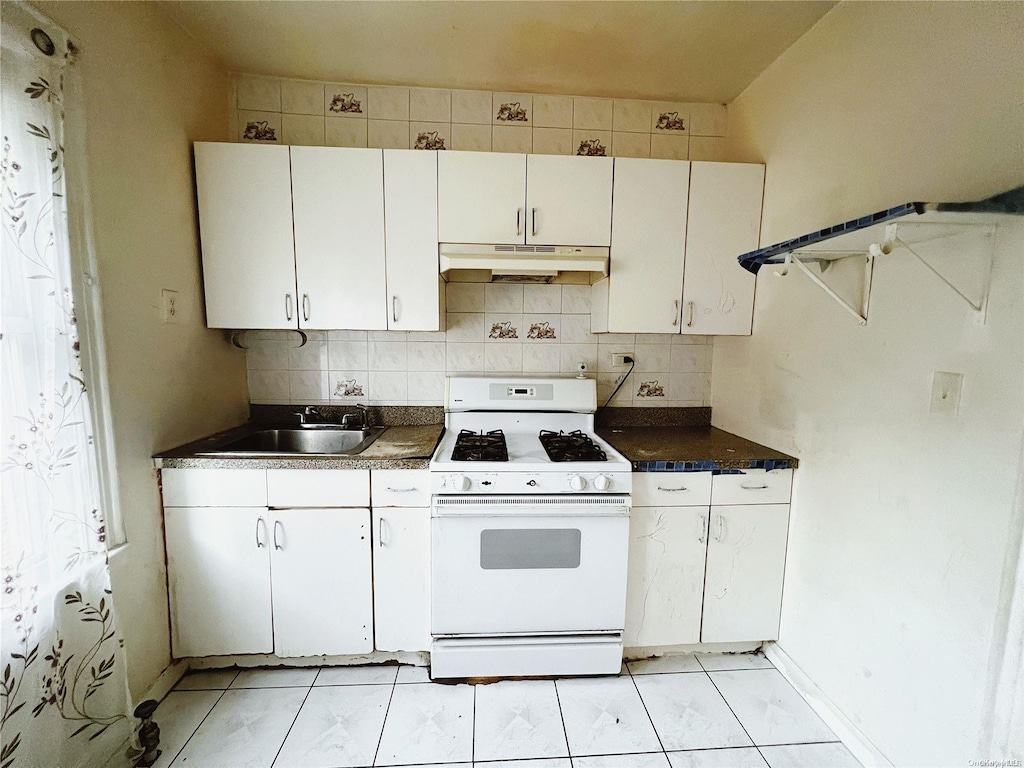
[{"x": 529, "y": 532}]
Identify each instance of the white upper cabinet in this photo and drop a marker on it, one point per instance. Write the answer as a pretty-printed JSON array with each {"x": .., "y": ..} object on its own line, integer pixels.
[
  {"x": 724, "y": 221},
  {"x": 338, "y": 203},
  {"x": 410, "y": 234},
  {"x": 645, "y": 283},
  {"x": 481, "y": 197},
  {"x": 245, "y": 217},
  {"x": 569, "y": 200}
]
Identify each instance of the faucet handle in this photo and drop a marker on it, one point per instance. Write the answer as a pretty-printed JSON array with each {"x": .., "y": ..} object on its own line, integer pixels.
[{"x": 309, "y": 411}]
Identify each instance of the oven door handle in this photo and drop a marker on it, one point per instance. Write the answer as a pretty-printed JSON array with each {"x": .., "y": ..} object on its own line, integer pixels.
[{"x": 494, "y": 514}]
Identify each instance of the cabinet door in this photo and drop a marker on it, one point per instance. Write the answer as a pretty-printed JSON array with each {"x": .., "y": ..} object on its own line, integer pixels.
[
  {"x": 323, "y": 589},
  {"x": 725, "y": 221},
  {"x": 568, "y": 200},
  {"x": 481, "y": 197},
  {"x": 245, "y": 227},
  {"x": 746, "y": 564},
  {"x": 410, "y": 235},
  {"x": 338, "y": 195},
  {"x": 218, "y": 577},
  {"x": 645, "y": 284},
  {"x": 401, "y": 578},
  {"x": 666, "y": 575}
]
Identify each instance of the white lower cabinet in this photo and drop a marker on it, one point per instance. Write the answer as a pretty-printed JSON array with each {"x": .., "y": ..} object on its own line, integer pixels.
[
  {"x": 401, "y": 578},
  {"x": 745, "y": 568},
  {"x": 321, "y": 581},
  {"x": 218, "y": 574},
  {"x": 667, "y": 546}
]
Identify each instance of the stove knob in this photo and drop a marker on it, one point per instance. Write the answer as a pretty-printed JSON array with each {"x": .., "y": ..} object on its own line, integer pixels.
[
  {"x": 460, "y": 483},
  {"x": 602, "y": 482},
  {"x": 577, "y": 483}
]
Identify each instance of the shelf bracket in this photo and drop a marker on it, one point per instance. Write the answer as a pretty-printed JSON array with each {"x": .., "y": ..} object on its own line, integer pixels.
[{"x": 861, "y": 313}]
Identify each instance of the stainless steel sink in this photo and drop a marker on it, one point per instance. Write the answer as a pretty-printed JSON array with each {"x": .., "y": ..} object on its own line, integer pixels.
[{"x": 319, "y": 441}]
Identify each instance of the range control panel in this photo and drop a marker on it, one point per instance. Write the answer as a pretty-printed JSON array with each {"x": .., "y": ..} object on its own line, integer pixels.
[{"x": 481, "y": 483}]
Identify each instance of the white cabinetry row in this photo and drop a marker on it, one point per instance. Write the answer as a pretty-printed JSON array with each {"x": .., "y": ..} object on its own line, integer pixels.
[
  {"x": 707, "y": 557},
  {"x": 325, "y": 237},
  {"x": 294, "y": 563}
]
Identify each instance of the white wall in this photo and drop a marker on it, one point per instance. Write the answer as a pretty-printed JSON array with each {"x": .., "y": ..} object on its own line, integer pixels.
[
  {"x": 148, "y": 93},
  {"x": 900, "y": 517}
]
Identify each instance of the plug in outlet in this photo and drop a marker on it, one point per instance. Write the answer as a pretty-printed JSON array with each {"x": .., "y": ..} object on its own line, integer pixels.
[
  {"x": 618, "y": 359},
  {"x": 169, "y": 302}
]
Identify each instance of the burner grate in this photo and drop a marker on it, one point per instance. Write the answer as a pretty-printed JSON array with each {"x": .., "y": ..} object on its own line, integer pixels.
[
  {"x": 480, "y": 446},
  {"x": 574, "y": 446}
]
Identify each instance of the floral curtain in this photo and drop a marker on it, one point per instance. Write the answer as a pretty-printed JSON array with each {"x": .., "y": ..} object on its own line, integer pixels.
[{"x": 64, "y": 687}]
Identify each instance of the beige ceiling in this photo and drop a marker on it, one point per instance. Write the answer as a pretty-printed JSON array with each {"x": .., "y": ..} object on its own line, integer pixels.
[{"x": 675, "y": 51}]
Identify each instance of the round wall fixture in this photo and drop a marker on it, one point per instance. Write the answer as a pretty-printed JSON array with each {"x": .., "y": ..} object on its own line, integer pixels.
[{"x": 43, "y": 41}]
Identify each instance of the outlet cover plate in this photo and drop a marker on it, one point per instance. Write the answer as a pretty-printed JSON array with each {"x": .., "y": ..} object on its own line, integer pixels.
[
  {"x": 946, "y": 390},
  {"x": 171, "y": 306}
]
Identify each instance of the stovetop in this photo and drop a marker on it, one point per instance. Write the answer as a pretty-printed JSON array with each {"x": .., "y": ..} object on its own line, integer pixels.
[
  {"x": 480, "y": 446},
  {"x": 574, "y": 446}
]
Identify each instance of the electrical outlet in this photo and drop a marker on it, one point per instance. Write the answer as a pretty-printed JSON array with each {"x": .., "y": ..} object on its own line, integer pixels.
[
  {"x": 946, "y": 389},
  {"x": 171, "y": 306},
  {"x": 618, "y": 359}
]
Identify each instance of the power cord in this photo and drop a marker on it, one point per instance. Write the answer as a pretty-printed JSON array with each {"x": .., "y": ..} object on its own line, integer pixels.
[{"x": 622, "y": 381}]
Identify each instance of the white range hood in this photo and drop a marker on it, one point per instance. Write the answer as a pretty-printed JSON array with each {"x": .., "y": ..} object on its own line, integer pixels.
[{"x": 528, "y": 261}]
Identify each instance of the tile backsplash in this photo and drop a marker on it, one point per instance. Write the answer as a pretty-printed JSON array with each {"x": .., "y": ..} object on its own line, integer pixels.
[
  {"x": 491, "y": 328},
  {"x": 303, "y": 112}
]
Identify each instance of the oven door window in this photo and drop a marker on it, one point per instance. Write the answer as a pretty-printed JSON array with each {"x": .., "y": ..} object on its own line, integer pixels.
[{"x": 529, "y": 548}]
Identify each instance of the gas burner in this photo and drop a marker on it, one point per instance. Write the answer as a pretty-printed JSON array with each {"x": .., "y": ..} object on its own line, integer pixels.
[
  {"x": 575, "y": 446},
  {"x": 480, "y": 446}
]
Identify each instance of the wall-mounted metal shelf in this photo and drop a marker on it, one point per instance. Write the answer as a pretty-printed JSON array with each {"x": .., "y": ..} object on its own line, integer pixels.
[{"x": 955, "y": 241}]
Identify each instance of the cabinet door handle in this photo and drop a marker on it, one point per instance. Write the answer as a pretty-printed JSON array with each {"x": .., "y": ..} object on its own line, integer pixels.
[
  {"x": 689, "y": 314},
  {"x": 753, "y": 487},
  {"x": 394, "y": 309},
  {"x": 533, "y": 225},
  {"x": 288, "y": 306},
  {"x": 380, "y": 532},
  {"x": 277, "y": 523},
  {"x": 702, "y": 535},
  {"x": 260, "y": 522},
  {"x": 673, "y": 490},
  {"x": 675, "y": 317},
  {"x": 519, "y": 221},
  {"x": 305, "y": 307},
  {"x": 401, "y": 490},
  {"x": 721, "y": 529}
]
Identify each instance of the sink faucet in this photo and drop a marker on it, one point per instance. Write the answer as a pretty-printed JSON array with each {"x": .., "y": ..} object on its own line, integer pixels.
[
  {"x": 310, "y": 411},
  {"x": 357, "y": 420}
]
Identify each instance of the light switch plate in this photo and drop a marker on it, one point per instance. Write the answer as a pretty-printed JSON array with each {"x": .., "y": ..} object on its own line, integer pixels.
[{"x": 946, "y": 389}]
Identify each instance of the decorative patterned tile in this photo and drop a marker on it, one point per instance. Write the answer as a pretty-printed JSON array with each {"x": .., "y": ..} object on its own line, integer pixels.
[
  {"x": 345, "y": 100},
  {"x": 299, "y": 97},
  {"x": 427, "y": 724},
  {"x": 471, "y": 107},
  {"x": 503, "y": 297},
  {"x": 592, "y": 143},
  {"x": 552, "y": 111},
  {"x": 387, "y": 103},
  {"x": 650, "y": 387},
  {"x": 605, "y": 716},
  {"x": 471, "y": 138},
  {"x": 365, "y": 674},
  {"x": 833, "y": 755},
  {"x": 709, "y": 148},
  {"x": 387, "y": 134},
  {"x": 632, "y": 116},
  {"x": 545, "y": 298},
  {"x": 631, "y": 144},
  {"x": 669, "y": 118},
  {"x": 245, "y": 728},
  {"x": 511, "y": 108},
  {"x": 504, "y": 328},
  {"x": 280, "y": 677},
  {"x": 517, "y": 719},
  {"x": 337, "y": 726},
  {"x": 339, "y": 132},
  {"x": 350, "y": 386},
  {"x": 670, "y": 147},
  {"x": 677, "y": 662},
  {"x": 714, "y": 662},
  {"x": 770, "y": 710},
  {"x": 465, "y": 297},
  {"x": 180, "y": 713},
  {"x": 542, "y": 328},
  {"x": 429, "y": 135},
  {"x": 261, "y": 94},
  {"x": 431, "y": 105},
  {"x": 260, "y": 127},
  {"x": 744, "y": 757},
  {"x": 511, "y": 138},
  {"x": 552, "y": 141},
  {"x": 592, "y": 114},
  {"x": 689, "y": 713}
]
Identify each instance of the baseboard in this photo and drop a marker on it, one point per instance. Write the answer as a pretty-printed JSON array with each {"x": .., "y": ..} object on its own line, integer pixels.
[
  {"x": 860, "y": 745},
  {"x": 167, "y": 680},
  {"x": 416, "y": 658}
]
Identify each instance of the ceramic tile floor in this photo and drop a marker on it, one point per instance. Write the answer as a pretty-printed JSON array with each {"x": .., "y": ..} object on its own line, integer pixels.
[{"x": 727, "y": 711}]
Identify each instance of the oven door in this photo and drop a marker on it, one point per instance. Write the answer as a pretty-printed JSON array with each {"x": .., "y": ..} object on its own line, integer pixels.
[{"x": 528, "y": 565}]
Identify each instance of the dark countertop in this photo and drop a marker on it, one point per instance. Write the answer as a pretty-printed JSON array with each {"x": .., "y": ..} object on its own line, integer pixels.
[
  {"x": 681, "y": 449},
  {"x": 400, "y": 447}
]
